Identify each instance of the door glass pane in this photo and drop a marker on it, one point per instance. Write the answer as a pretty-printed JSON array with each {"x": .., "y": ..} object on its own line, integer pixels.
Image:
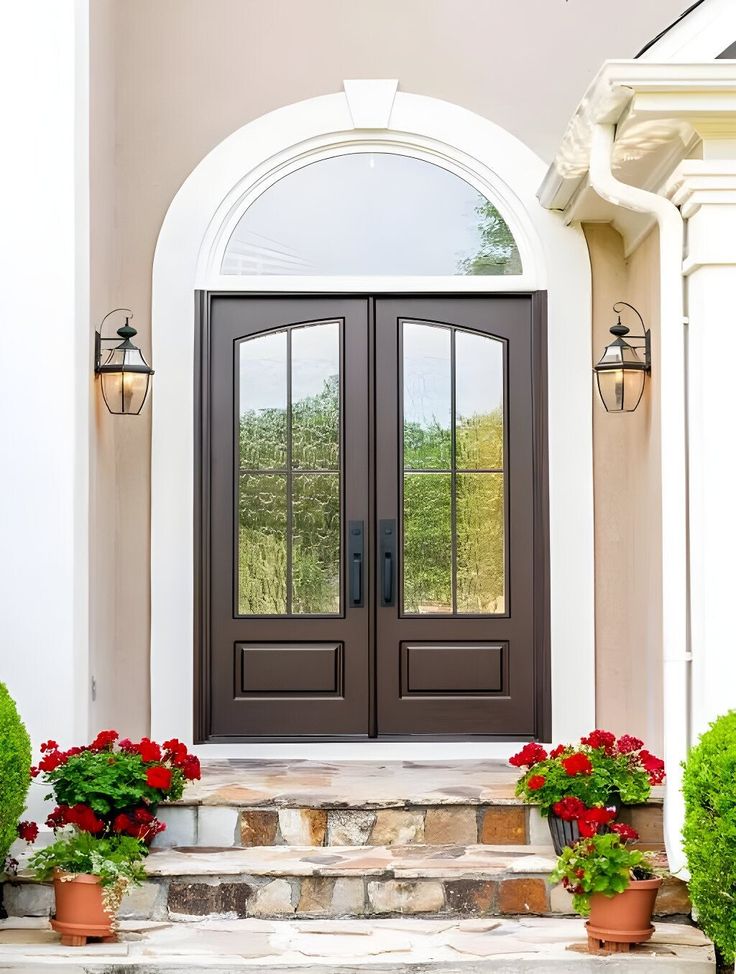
[
  {"x": 316, "y": 543},
  {"x": 262, "y": 544},
  {"x": 427, "y": 543},
  {"x": 454, "y": 521},
  {"x": 479, "y": 402},
  {"x": 480, "y": 543},
  {"x": 290, "y": 522},
  {"x": 427, "y": 397},
  {"x": 372, "y": 213},
  {"x": 315, "y": 396},
  {"x": 263, "y": 366}
]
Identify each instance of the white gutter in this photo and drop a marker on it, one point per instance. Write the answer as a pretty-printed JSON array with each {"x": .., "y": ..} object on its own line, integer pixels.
[{"x": 670, "y": 378}]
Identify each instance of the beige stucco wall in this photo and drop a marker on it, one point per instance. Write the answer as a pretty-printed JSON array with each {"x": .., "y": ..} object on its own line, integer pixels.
[
  {"x": 627, "y": 505},
  {"x": 172, "y": 78}
]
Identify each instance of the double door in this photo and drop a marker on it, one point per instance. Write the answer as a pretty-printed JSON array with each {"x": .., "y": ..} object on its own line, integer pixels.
[{"x": 372, "y": 518}]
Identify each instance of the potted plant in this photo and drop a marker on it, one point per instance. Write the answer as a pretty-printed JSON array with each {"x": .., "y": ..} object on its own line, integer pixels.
[
  {"x": 612, "y": 884},
  {"x": 107, "y": 794},
  {"x": 580, "y": 787},
  {"x": 91, "y": 875}
]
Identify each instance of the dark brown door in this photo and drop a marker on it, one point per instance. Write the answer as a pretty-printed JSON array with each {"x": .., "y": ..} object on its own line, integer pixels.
[
  {"x": 372, "y": 534},
  {"x": 289, "y": 654},
  {"x": 455, "y": 499}
]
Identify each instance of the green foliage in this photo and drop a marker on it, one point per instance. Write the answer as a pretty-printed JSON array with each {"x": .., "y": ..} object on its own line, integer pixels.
[
  {"x": 601, "y": 864},
  {"x": 263, "y": 504},
  {"x": 479, "y": 503},
  {"x": 315, "y": 501},
  {"x": 709, "y": 787},
  {"x": 498, "y": 253},
  {"x": 108, "y": 782},
  {"x": 117, "y": 860},
  {"x": 613, "y": 777},
  {"x": 15, "y": 766}
]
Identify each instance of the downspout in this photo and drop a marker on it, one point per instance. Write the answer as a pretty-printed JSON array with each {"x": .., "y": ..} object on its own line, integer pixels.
[{"x": 673, "y": 459}]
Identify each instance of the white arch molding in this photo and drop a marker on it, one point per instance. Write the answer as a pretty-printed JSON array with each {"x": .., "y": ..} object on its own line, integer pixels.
[{"x": 188, "y": 256}]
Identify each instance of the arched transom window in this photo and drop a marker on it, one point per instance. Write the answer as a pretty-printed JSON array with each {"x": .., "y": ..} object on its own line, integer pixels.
[{"x": 372, "y": 213}]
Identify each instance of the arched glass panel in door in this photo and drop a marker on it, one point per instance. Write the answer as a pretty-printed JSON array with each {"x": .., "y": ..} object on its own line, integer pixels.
[
  {"x": 289, "y": 472},
  {"x": 378, "y": 213},
  {"x": 453, "y": 471}
]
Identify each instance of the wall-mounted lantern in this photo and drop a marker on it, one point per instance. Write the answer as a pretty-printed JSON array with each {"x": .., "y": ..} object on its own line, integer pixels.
[
  {"x": 621, "y": 371},
  {"x": 125, "y": 374}
]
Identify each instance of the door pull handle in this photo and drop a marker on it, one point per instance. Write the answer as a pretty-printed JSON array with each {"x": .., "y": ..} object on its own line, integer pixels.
[
  {"x": 387, "y": 531},
  {"x": 388, "y": 580},
  {"x": 355, "y": 560}
]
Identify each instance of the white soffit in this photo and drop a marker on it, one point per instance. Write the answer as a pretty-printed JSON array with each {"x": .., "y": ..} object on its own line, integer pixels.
[
  {"x": 661, "y": 112},
  {"x": 370, "y": 102}
]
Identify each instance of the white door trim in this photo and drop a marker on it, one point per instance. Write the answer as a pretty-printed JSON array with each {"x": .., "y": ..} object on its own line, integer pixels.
[{"x": 187, "y": 257}]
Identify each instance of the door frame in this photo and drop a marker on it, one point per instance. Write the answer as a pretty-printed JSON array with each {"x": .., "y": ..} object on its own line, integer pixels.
[
  {"x": 202, "y": 501},
  {"x": 502, "y": 166}
]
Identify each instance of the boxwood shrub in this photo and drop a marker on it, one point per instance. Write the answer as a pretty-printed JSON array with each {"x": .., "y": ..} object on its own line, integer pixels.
[
  {"x": 15, "y": 767},
  {"x": 710, "y": 832}
]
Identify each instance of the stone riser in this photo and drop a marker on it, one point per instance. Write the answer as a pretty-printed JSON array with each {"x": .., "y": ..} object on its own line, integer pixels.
[
  {"x": 496, "y": 824},
  {"x": 183, "y": 898}
]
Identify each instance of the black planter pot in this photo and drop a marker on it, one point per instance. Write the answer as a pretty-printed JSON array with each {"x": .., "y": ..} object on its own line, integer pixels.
[{"x": 566, "y": 833}]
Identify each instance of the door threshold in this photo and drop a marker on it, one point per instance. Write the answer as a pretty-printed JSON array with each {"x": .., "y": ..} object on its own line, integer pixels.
[{"x": 366, "y": 750}]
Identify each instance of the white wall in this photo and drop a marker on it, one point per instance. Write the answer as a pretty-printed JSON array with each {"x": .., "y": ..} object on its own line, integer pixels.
[{"x": 45, "y": 366}]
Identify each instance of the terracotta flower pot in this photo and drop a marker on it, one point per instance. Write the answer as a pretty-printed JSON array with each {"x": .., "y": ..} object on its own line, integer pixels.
[
  {"x": 626, "y": 918},
  {"x": 80, "y": 913}
]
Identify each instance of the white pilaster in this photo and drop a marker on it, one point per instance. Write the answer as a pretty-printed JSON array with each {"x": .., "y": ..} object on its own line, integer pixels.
[
  {"x": 45, "y": 368},
  {"x": 706, "y": 193}
]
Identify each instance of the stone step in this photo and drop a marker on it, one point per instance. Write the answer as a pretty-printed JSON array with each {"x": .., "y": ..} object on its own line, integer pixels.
[
  {"x": 495, "y": 824},
  {"x": 388, "y": 946},
  {"x": 347, "y": 881}
]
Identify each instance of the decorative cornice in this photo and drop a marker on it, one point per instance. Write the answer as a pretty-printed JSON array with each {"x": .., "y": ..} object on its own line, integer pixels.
[
  {"x": 661, "y": 112},
  {"x": 700, "y": 182}
]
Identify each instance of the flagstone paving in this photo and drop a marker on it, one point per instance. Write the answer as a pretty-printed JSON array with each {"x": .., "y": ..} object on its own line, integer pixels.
[
  {"x": 352, "y": 784},
  {"x": 403, "y": 946}
]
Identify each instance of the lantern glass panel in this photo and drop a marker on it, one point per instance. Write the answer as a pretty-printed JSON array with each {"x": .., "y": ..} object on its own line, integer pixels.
[
  {"x": 125, "y": 390},
  {"x": 621, "y": 389}
]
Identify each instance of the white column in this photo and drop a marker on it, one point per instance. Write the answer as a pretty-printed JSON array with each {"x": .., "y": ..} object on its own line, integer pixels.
[
  {"x": 706, "y": 191},
  {"x": 45, "y": 366}
]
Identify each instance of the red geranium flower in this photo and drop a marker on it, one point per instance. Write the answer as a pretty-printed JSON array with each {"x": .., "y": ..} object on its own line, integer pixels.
[
  {"x": 28, "y": 831},
  {"x": 85, "y": 819},
  {"x": 175, "y": 751},
  {"x": 600, "y": 740},
  {"x": 627, "y": 744},
  {"x": 557, "y": 751},
  {"x": 149, "y": 750},
  {"x": 122, "y": 823},
  {"x": 592, "y": 819},
  {"x": 158, "y": 777},
  {"x": 570, "y": 809},
  {"x": 103, "y": 740},
  {"x": 529, "y": 755},
  {"x": 49, "y": 746},
  {"x": 626, "y": 832},
  {"x": 51, "y": 761},
  {"x": 653, "y": 766},
  {"x": 536, "y": 782},
  {"x": 191, "y": 768},
  {"x": 577, "y": 763}
]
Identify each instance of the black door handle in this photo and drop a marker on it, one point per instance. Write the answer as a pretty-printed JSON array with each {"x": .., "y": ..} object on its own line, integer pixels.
[
  {"x": 387, "y": 531},
  {"x": 388, "y": 578},
  {"x": 355, "y": 560}
]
